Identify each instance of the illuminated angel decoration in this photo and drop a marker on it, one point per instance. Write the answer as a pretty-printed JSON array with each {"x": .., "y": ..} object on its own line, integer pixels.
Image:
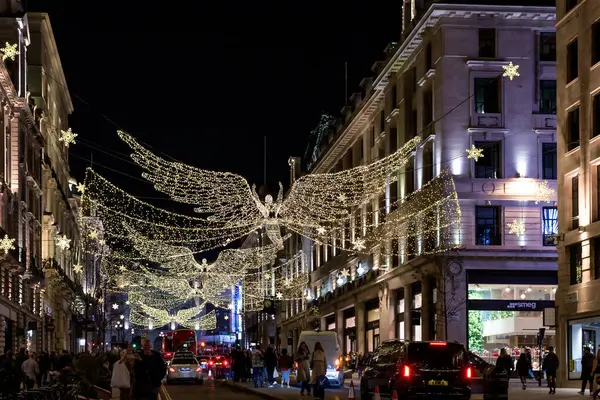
[
  {"x": 143, "y": 315},
  {"x": 315, "y": 203}
]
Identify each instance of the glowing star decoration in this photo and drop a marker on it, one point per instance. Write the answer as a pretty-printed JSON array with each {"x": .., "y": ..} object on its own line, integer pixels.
[
  {"x": 127, "y": 302},
  {"x": 287, "y": 283},
  {"x": 342, "y": 198},
  {"x": 510, "y": 70},
  {"x": 81, "y": 188},
  {"x": 474, "y": 152},
  {"x": 7, "y": 244},
  {"x": 345, "y": 273},
  {"x": 359, "y": 245},
  {"x": 115, "y": 306},
  {"x": 267, "y": 276},
  {"x": 63, "y": 242},
  {"x": 279, "y": 295},
  {"x": 230, "y": 306},
  {"x": 93, "y": 234},
  {"x": 544, "y": 193},
  {"x": 9, "y": 51},
  {"x": 77, "y": 268},
  {"x": 321, "y": 230},
  {"x": 517, "y": 227},
  {"x": 67, "y": 137}
]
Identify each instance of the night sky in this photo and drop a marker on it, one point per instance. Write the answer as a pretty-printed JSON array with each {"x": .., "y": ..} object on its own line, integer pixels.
[{"x": 204, "y": 85}]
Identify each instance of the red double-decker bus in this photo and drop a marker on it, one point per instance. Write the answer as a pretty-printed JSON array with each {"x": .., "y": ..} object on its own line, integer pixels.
[{"x": 179, "y": 340}]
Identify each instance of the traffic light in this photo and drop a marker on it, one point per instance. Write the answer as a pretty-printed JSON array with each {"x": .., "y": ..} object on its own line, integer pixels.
[{"x": 134, "y": 346}]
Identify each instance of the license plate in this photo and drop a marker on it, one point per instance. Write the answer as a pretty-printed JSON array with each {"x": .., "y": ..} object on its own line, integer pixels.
[
  {"x": 185, "y": 369},
  {"x": 437, "y": 383}
]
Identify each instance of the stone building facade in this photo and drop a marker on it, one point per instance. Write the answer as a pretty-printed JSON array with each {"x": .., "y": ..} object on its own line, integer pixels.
[
  {"x": 443, "y": 82},
  {"x": 578, "y": 84}
]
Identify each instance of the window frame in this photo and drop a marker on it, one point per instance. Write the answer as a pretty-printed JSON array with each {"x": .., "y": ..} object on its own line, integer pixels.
[
  {"x": 497, "y": 225},
  {"x": 543, "y": 157},
  {"x": 487, "y": 145},
  {"x": 545, "y": 236},
  {"x": 546, "y": 41},
  {"x": 572, "y": 63},
  {"x": 487, "y": 46},
  {"x": 573, "y": 121},
  {"x": 482, "y": 110},
  {"x": 550, "y": 107}
]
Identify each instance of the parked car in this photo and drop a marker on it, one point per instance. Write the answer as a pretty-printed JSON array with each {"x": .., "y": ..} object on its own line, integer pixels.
[{"x": 419, "y": 370}]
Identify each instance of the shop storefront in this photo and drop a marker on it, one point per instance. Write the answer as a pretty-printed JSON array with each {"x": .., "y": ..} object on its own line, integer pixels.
[
  {"x": 349, "y": 330},
  {"x": 330, "y": 323},
  {"x": 506, "y": 310},
  {"x": 372, "y": 328},
  {"x": 581, "y": 333}
]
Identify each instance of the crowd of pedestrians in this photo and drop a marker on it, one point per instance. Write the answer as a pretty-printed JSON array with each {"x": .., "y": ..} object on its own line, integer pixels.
[{"x": 262, "y": 367}]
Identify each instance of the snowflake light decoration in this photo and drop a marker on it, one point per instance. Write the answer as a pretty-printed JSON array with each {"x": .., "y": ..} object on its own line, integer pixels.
[
  {"x": 510, "y": 70},
  {"x": 359, "y": 245},
  {"x": 517, "y": 227},
  {"x": 345, "y": 273},
  {"x": 77, "y": 268},
  {"x": 93, "y": 234},
  {"x": 67, "y": 137},
  {"x": 544, "y": 193},
  {"x": 474, "y": 152},
  {"x": 321, "y": 230},
  {"x": 7, "y": 244},
  {"x": 267, "y": 276},
  {"x": 63, "y": 242},
  {"x": 342, "y": 198},
  {"x": 279, "y": 295},
  {"x": 9, "y": 51},
  {"x": 81, "y": 188},
  {"x": 115, "y": 306}
]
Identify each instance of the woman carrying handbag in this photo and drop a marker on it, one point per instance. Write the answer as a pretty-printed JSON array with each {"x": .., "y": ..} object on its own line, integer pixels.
[{"x": 122, "y": 378}]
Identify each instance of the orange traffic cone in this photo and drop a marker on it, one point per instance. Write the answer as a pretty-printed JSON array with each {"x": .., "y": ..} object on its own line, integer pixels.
[
  {"x": 377, "y": 396},
  {"x": 351, "y": 391},
  {"x": 394, "y": 395}
]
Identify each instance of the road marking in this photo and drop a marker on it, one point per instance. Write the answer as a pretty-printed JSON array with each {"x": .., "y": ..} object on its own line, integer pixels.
[{"x": 167, "y": 395}]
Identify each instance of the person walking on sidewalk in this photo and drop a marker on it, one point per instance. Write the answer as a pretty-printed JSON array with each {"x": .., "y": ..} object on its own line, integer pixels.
[
  {"x": 302, "y": 358},
  {"x": 504, "y": 361},
  {"x": 524, "y": 369},
  {"x": 270, "y": 364},
  {"x": 550, "y": 365},
  {"x": 319, "y": 371},
  {"x": 587, "y": 369},
  {"x": 258, "y": 366},
  {"x": 284, "y": 364}
]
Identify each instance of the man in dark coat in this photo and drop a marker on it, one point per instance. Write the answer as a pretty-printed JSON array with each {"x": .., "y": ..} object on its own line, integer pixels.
[{"x": 149, "y": 370}]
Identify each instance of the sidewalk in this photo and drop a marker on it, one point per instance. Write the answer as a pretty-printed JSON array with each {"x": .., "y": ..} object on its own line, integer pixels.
[{"x": 515, "y": 393}]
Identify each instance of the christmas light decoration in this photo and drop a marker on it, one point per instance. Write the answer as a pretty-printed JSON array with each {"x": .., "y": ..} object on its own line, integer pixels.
[
  {"x": 81, "y": 188},
  {"x": 7, "y": 244},
  {"x": 229, "y": 200},
  {"x": 9, "y": 51},
  {"x": 77, "y": 268},
  {"x": 67, "y": 137},
  {"x": 517, "y": 227},
  {"x": 63, "y": 243},
  {"x": 544, "y": 193},
  {"x": 474, "y": 153},
  {"x": 510, "y": 71},
  {"x": 115, "y": 306}
]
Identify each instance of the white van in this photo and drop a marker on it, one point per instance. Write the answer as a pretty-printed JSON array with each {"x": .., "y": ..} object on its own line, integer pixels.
[{"x": 329, "y": 340}]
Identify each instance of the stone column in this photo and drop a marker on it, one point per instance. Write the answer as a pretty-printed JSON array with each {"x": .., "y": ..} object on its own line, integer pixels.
[
  {"x": 339, "y": 328},
  {"x": 426, "y": 299},
  {"x": 408, "y": 305},
  {"x": 361, "y": 324},
  {"x": 323, "y": 324},
  {"x": 383, "y": 314},
  {"x": 390, "y": 329}
]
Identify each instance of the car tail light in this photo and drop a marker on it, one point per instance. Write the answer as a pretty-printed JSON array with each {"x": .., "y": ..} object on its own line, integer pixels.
[
  {"x": 210, "y": 363},
  {"x": 172, "y": 369},
  {"x": 437, "y": 343},
  {"x": 406, "y": 371},
  {"x": 199, "y": 369},
  {"x": 469, "y": 373},
  {"x": 225, "y": 363}
]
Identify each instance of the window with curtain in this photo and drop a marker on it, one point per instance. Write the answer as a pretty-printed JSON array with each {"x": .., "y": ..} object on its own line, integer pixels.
[{"x": 549, "y": 226}]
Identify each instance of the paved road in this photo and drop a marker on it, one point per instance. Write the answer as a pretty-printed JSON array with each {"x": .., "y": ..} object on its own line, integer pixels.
[{"x": 209, "y": 391}]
